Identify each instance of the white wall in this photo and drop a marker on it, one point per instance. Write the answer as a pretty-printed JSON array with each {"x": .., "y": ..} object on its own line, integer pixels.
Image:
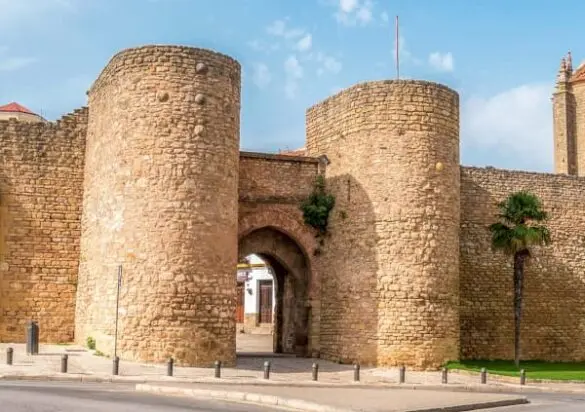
[{"x": 251, "y": 288}]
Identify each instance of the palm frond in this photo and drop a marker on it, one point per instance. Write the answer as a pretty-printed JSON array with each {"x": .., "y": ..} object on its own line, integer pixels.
[
  {"x": 521, "y": 207},
  {"x": 516, "y": 230}
]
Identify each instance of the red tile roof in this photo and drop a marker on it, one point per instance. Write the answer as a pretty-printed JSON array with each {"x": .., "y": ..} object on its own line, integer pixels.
[
  {"x": 298, "y": 152},
  {"x": 15, "y": 108}
]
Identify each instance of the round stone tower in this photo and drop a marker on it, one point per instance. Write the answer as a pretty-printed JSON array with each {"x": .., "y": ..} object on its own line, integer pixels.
[
  {"x": 391, "y": 264},
  {"x": 161, "y": 197}
]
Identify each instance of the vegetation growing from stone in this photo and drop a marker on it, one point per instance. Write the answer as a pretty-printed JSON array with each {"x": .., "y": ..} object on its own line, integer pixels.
[
  {"x": 317, "y": 206},
  {"x": 563, "y": 371},
  {"x": 520, "y": 227},
  {"x": 90, "y": 343}
]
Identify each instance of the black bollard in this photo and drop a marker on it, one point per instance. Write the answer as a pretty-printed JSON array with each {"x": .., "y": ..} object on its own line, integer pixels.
[
  {"x": 483, "y": 376},
  {"x": 9, "y": 356},
  {"x": 170, "y": 367},
  {"x": 116, "y": 366},
  {"x": 402, "y": 374},
  {"x": 267, "y": 370},
  {"x": 217, "y": 369},
  {"x": 522, "y": 377},
  {"x": 356, "y": 372},
  {"x": 32, "y": 338},
  {"x": 315, "y": 371},
  {"x": 444, "y": 378},
  {"x": 64, "y": 360}
]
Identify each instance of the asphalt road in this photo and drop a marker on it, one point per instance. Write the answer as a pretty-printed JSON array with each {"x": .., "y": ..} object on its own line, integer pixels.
[
  {"x": 52, "y": 397},
  {"x": 20, "y": 396},
  {"x": 548, "y": 403}
]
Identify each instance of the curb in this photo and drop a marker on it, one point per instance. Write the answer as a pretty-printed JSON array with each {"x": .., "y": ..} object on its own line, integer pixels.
[
  {"x": 272, "y": 400},
  {"x": 515, "y": 379},
  {"x": 243, "y": 397},
  {"x": 479, "y": 388}
]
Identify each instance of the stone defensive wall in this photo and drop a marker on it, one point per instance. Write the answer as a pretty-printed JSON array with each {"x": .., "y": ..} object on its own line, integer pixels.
[
  {"x": 41, "y": 181},
  {"x": 151, "y": 177},
  {"x": 553, "y": 325}
]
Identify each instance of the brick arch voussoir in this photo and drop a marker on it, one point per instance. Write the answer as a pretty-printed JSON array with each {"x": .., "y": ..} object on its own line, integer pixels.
[{"x": 292, "y": 226}]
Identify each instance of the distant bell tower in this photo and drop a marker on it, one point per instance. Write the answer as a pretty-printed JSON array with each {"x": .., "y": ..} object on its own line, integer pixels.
[{"x": 568, "y": 126}]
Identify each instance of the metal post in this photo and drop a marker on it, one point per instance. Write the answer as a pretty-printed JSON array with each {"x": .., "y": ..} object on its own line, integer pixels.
[
  {"x": 117, "y": 307},
  {"x": 32, "y": 338},
  {"x": 315, "y": 371},
  {"x": 267, "y": 370},
  {"x": 116, "y": 366},
  {"x": 217, "y": 369},
  {"x": 522, "y": 377},
  {"x": 170, "y": 367},
  {"x": 9, "y": 356},
  {"x": 64, "y": 359},
  {"x": 402, "y": 374},
  {"x": 483, "y": 376},
  {"x": 356, "y": 372},
  {"x": 444, "y": 378}
]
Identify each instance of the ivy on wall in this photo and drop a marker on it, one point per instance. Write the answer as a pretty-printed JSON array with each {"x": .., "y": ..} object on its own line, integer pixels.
[{"x": 317, "y": 206}]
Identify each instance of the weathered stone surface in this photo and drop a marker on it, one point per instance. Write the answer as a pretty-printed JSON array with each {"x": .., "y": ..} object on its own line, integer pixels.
[
  {"x": 391, "y": 288},
  {"x": 405, "y": 275},
  {"x": 555, "y": 277},
  {"x": 165, "y": 205},
  {"x": 41, "y": 184}
]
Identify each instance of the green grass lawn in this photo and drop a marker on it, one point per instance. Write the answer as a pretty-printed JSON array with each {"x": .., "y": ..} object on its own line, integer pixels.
[{"x": 534, "y": 369}]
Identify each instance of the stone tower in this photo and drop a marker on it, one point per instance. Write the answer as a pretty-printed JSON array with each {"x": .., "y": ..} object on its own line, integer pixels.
[
  {"x": 393, "y": 254},
  {"x": 569, "y": 119},
  {"x": 161, "y": 199}
]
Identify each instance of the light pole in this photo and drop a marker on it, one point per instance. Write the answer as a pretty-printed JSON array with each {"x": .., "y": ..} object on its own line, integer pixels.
[{"x": 117, "y": 310}]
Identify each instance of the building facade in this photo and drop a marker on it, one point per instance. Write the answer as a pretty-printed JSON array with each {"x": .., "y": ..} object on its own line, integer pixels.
[
  {"x": 256, "y": 297},
  {"x": 20, "y": 113}
]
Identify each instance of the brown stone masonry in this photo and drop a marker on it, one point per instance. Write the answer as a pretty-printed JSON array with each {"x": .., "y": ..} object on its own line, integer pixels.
[
  {"x": 41, "y": 181},
  {"x": 161, "y": 197},
  {"x": 554, "y": 307},
  {"x": 390, "y": 288},
  {"x": 150, "y": 177}
]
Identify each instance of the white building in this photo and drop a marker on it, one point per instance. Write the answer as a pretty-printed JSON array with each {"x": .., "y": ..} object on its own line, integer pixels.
[
  {"x": 18, "y": 112},
  {"x": 256, "y": 297}
]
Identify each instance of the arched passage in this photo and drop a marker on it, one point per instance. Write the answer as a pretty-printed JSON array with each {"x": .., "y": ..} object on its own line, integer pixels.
[{"x": 291, "y": 272}]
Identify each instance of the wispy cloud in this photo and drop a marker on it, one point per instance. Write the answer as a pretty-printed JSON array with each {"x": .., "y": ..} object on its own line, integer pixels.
[
  {"x": 404, "y": 53},
  {"x": 10, "y": 63},
  {"x": 514, "y": 123},
  {"x": 328, "y": 64},
  {"x": 279, "y": 28},
  {"x": 14, "y": 12},
  {"x": 305, "y": 43},
  {"x": 15, "y": 63},
  {"x": 261, "y": 75},
  {"x": 442, "y": 61},
  {"x": 354, "y": 12},
  {"x": 301, "y": 58},
  {"x": 294, "y": 72}
]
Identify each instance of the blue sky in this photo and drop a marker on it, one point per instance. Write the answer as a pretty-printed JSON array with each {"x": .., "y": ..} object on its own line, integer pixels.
[{"x": 501, "y": 56}]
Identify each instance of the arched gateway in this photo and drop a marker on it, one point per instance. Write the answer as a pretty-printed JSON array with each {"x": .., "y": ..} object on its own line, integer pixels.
[{"x": 283, "y": 242}]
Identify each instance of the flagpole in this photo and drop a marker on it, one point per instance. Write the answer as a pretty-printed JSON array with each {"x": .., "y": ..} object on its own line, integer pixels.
[{"x": 397, "y": 51}]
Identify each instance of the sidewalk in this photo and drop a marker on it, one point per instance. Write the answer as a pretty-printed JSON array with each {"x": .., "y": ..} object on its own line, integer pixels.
[
  {"x": 285, "y": 371},
  {"x": 342, "y": 400}
]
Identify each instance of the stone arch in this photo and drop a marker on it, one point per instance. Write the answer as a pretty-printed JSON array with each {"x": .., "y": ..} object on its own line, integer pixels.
[
  {"x": 287, "y": 246},
  {"x": 284, "y": 221}
]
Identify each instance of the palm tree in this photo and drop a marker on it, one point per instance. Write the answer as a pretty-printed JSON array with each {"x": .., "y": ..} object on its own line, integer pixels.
[{"x": 521, "y": 227}]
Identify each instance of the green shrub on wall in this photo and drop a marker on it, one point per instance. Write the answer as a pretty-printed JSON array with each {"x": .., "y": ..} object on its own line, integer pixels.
[{"x": 317, "y": 206}]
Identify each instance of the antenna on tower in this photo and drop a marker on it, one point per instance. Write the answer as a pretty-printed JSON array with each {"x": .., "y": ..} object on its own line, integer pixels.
[{"x": 397, "y": 50}]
